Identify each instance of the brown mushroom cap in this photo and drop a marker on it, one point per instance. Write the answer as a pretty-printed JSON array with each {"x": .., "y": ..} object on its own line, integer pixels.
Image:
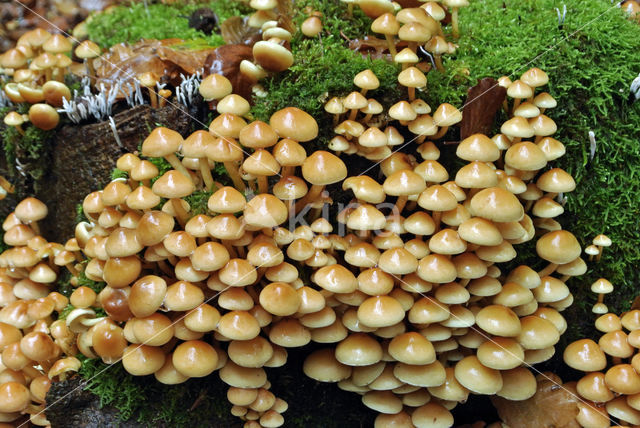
[
  {"x": 323, "y": 366},
  {"x": 142, "y": 360},
  {"x": 293, "y": 123},
  {"x": 476, "y": 377},
  {"x": 497, "y": 204},
  {"x": 322, "y": 168},
  {"x": 44, "y": 116},
  {"x": 195, "y": 358},
  {"x": 558, "y": 247}
]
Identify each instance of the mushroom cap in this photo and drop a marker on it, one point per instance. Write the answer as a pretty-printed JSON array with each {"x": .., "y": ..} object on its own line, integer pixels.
[
  {"x": 380, "y": 311},
  {"x": 265, "y": 210},
  {"x": 30, "y": 209},
  {"x": 519, "y": 89},
  {"x": 446, "y": 115},
  {"x": 142, "y": 360},
  {"x": 322, "y": 168},
  {"x": 432, "y": 415},
  {"x": 215, "y": 87},
  {"x": 404, "y": 183},
  {"x": 161, "y": 142},
  {"x": 585, "y": 355},
  {"x": 242, "y": 377},
  {"x": 517, "y": 384},
  {"x": 412, "y": 348},
  {"x": 412, "y": 77},
  {"x": 14, "y": 396},
  {"x": 476, "y": 377},
  {"x": 497, "y": 204},
  {"x": 534, "y": 77},
  {"x": 323, "y": 366},
  {"x": 525, "y": 156},
  {"x": 517, "y": 127},
  {"x": 87, "y": 50},
  {"x": 366, "y": 79},
  {"x": 44, "y": 116},
  {"x": 173, "y": 184},
  {"x": 478, "y": 147},
  {"x": 272, "y": 56},
  {"x": 558, "y": 247},
  {"x": 358, "y": 349},
  {"x": 385, "y": 24},
  {"x": 195, "y": 358},
  {"x": 556, "y": 180},
  {"x": 623, "y": 379},
  {"x": 293, "y": 123},
  {"x": 57, "y": 44},
  {"x": 498, "y": 320}
]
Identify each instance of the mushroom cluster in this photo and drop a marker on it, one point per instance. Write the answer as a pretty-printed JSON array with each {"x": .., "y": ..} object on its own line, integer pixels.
[
  {"x": 403, "y": 286},
  {"x": 362, "y": 126},
  {"x": 37, "y": 67},
  {"x": 37, "y": 344},
  {"x": 611, "y": 384},
  {"x": 414, "y": 27}
]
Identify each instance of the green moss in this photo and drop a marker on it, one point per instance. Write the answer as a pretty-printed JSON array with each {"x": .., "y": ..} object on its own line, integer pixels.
[
  {"x": 96, "y": 286},
  {"x": 195, "y": 403},
  {"x": 32, "y": 150},
  {"x": 325, "y": 67},
  {"x": 591, "y": 62},
  {"x": 198, "y": 202},
  {"x": 157, "y": 21},
  {"x": 118, "y": 173}
]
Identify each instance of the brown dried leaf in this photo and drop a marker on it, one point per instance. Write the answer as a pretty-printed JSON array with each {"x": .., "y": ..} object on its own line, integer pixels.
[
  {"x": 226, "y": 60},
  {"x": 552, "y": 406},
  {"x": 236, "y": 31},
  {"x": 483, "y": 102},
  {"x": 371, "y": 45},
  {"x": 166, "y": 58}
]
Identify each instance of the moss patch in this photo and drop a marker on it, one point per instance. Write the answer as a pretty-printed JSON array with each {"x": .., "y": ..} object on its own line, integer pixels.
[
  {"x": 157, "y": 21},
  {"x": 195, "y": 403},
  {"x": 591, "y": 61},
  {"x": 325, "y": 67}
]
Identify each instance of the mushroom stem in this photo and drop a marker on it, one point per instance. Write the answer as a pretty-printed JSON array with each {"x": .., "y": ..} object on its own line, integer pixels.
[
  {"x": 391, "y": 45},
  {"x": 229, "y": 247},
  {"x": 288, "y": 170},
  {"x": 464, "y": 282},
  {"x": 542, "y": 109},
  {"x": 439, "y": 65},
  {"x": 353, "y": 114},
  {"x": 263, "y": 184},
  {"x": 313, "y": 194},
  {"x": 551, "y": 267},
  {"x": 516, "y": 140},
  {"x": 400, "y": 203},
  {"x": 454, "y": 23},
  {"x": 72, "y": 270},
  {"x": 600, "y": 298},
  {"x": 35, "y": 227},
  {"x": 19, "y": 129},
  {"x": 538, "y": 138},
  {"x": 440, "y": 133},
  {"x": 206, "y": 173},
  {"x": 412, "y": 93},
  {"x": 367, "y": 118},
  {"x": 90, "y": 70},
  {"x": 152, "y": 97},
  {"x": 600, "y": 249},
  {"x": 436, "y": 215},
  {"x": 364, "y": 235},
  {"x": 232, "y": 170},
  {"x": 505, "y": 106},
  {"x": 181, "y": 213},
  {"x": 350, "y": 10},
  {"x": 516, "y": 103},
  {"x": 177, "y": 165}
]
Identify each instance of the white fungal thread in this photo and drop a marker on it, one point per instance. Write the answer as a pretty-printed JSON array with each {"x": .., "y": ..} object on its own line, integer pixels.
[
  {"x": 635, "y": 87},
  {"x": 561, "y": 17},
  {"x": 97, "y": 105},
  {"x": 188, "y": 88},
  {"x": 112, "y": 124},
  {"x": 4, "y": 100},
  {"x": 592, "y": 145}
]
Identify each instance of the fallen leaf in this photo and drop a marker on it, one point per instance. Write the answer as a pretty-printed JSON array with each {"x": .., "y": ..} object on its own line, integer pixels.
[
  {"x": 483, "y": 102},
  {"x": 226, "y": 60},
  {"x": 236, "y": 31},
  {"x": 553, "y": 406}
]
